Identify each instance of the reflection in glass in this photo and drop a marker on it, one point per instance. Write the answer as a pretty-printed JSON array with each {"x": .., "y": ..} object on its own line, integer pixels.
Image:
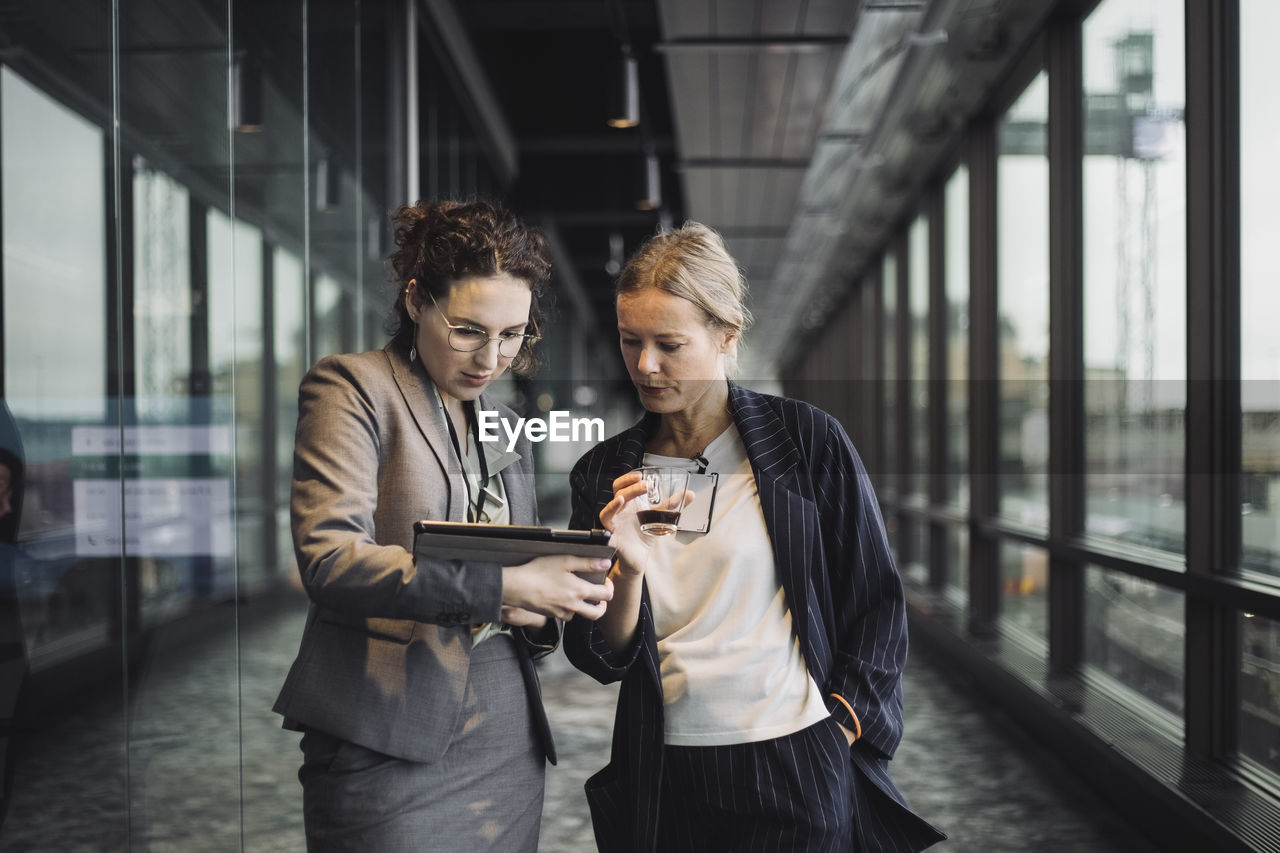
[
  {"x": 1024, "y": 590},
  {"x": 1135, "y": 274},
  {"x": 1259, "y": 272},
  {"x": 161, "y": 295},
  {"x": 55, "y": 347},
  {"x": 958, "y": 564},
  {"x": 181, "y": 508},
  {"x": 235, "y": 369},
  {"x": 288, "y": 301},
  {"x": 53, "y": 202},
  {"x": 328, "y": 316},
  {"x": 889, "y": 329},
  {"x": 1022, "y": 175},
  {"x": 1134, "y": 633},
  {"x": 918, "y": 340},
  {"x": 956, "y": 250},
  {"x": 1260, "y": 691}
]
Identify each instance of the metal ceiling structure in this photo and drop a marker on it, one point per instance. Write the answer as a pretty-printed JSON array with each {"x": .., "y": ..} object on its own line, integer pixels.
[{"x": 802, "y": 130}]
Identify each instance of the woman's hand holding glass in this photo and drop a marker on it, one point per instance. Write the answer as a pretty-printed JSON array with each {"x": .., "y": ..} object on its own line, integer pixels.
[
  {"x": 621, "y": 518},
  {"x": 551, "y": 587}
]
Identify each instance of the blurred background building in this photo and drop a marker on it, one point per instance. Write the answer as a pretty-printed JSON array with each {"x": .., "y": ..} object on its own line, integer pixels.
[{"x": 1025, "y": 251}]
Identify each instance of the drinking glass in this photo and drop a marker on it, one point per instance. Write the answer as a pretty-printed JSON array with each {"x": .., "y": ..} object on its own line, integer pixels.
[{"x": 664, "y": 497}]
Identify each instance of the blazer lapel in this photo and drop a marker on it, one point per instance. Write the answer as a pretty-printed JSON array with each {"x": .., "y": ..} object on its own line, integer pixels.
[
  {"x": 790, "y": 513},
  {"x": 419, "y": 395},
  {"x": 629, "y": 455},
  {"x": 521, "y": 500}
]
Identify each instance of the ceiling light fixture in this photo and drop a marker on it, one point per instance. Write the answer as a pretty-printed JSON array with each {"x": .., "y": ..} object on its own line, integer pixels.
[
  {"x": 616, "y": 254},
  {"x": 246, "y": 90},
  {"x": 652, "y": 198},
  {"x": 624, "y": 102},
  {"x": 328, "y": 178}
]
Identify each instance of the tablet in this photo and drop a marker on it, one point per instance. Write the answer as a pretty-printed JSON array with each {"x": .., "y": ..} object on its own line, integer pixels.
[{"x": 508, "y": 544}]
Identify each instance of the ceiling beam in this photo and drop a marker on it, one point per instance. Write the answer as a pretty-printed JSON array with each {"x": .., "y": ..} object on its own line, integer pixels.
[
  {"x": 554, "y": 15},
  {"x": 448, "y": 33},
  {"x": 774, "y": 43},
  {"x": 616, "y": 142},
  {"x": 695, "y": 163},
  {"x": 607, "y": 217}
]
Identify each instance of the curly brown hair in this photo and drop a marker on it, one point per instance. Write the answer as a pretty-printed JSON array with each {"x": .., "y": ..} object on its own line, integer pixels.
[{"x": 439, "y": 243}]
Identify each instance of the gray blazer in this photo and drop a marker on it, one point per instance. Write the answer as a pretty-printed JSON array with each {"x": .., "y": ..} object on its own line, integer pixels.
[{"x": 387, "y": 643}]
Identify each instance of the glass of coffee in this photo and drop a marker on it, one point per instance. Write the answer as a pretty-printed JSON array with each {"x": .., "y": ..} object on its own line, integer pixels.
[{"x": 660, "y": 506}]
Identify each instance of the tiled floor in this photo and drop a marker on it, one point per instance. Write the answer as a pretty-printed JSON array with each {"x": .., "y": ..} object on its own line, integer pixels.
[{"x": 209, "y": 769}]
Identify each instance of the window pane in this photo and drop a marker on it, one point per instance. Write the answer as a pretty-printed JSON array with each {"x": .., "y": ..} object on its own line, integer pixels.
[
  {"x": 1134, "y": 633},
  {"x": 867, "y": 365},
  {"x": 53, "y": 199},
  {"x": 889, "y": 449},
  {"x": 288, "y": 300},
  {"x": 1260, "y": 691},
  {"x": 1259, "y": 272},
  {"x": 957, "y": 386},
  {"x": 1135, "y": 275},
  {"x": 235, "y": 367},
  {"x": 70, "y": 538},
  {"x": 329, "y": 319},
  {"x": 1022, "y": 175},
  {"x": 161, "y": 295},
  {"x": 1024, "y": 589},
  {"x": 918, "y": 383},
  {"x": 183, "y": 497},
  {"x": 958, "y": 564}
]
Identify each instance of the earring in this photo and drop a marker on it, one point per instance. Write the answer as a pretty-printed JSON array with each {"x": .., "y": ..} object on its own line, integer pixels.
[{"x": 413, "y": 340}]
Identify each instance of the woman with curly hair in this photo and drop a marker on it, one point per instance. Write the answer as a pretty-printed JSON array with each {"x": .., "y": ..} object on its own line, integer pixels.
[{"x": 414, "y": 686}]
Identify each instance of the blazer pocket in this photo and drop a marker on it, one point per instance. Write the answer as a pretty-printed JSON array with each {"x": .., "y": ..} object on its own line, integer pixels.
[
  {"x": 610, "y": 804},
  {"x": 882, "y": 818},
  {"x": 396, "y": 630}
]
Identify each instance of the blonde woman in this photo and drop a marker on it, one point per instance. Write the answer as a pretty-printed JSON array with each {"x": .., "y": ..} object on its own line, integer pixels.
[{"x": 761, "y": 649}]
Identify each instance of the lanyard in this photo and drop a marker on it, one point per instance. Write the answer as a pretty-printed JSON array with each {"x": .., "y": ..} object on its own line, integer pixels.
[{"x": 469, "y": 408}]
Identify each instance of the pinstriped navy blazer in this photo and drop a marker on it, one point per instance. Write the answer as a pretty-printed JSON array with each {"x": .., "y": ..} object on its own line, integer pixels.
[{"x": 847, "y": 605}]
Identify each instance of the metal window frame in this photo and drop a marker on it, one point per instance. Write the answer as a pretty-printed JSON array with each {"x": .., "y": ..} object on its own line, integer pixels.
[
  {"x": 1064, "y": 63},
  {"x": 1213, "y": 421},
  {"x": 1061, "y": 699}
]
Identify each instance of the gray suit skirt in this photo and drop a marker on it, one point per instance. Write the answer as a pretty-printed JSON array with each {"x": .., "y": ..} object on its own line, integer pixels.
[{"x": 484, "y": 794}]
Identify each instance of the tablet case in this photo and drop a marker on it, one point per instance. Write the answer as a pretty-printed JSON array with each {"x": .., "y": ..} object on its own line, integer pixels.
[{"x": 507, "y": 544}]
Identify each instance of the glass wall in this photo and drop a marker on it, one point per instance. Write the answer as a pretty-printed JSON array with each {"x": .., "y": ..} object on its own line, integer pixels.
[
  {"x": 328, "y": 322},
  {"x": 56, "y": 315},
  {"x": 956, "y": 252},
  {"x": 1134, "y": 634},
  {"x": 1259, "y": 719},
  {"x": 290, "y": 339},
  {"x": 162, "y": 304},
  {"x": 235, "y": 300},
  {"x": 1260, "y": 691},
  {"x": 917, "y": 384},
  {"x": 891, "y": 473},
  {"x": 189, "y": 217},
  {"x": 1024, "y": 589},
  {"x": 1022, "y": 181},
  {"x": 1135, "y": 271},
  {"x": 1259, "y": 272},
  {"x": 1090, "y": 213}
]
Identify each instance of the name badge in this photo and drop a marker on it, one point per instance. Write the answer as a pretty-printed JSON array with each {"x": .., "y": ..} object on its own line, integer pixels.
[{"x": 696, "y": 517}]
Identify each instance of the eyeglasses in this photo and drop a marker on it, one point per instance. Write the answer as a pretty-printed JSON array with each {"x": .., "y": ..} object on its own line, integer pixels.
[{"x": 470, "y": 339}]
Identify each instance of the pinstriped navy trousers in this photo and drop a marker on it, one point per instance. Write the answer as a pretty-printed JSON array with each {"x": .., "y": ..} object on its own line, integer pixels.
[{"x": 788, "y": 794}]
